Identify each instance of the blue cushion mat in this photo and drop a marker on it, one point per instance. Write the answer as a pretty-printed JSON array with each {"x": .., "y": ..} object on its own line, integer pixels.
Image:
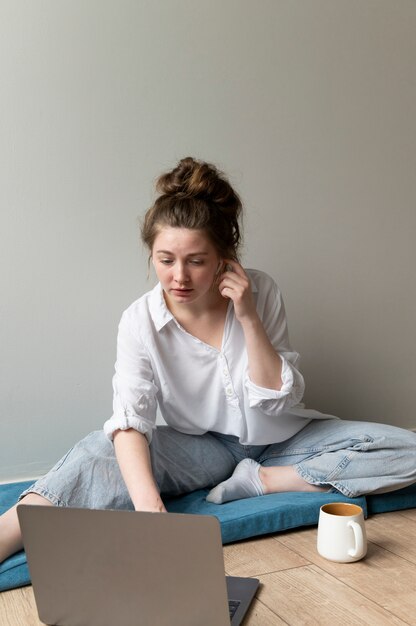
[{"x": 239, "y": 520}]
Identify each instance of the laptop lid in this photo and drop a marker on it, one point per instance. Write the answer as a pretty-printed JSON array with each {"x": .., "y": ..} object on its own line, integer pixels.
[{"x": 100, "y": 568}]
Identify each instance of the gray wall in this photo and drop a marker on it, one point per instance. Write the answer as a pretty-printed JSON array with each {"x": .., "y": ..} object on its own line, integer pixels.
[{"x": 309, "y": 106}]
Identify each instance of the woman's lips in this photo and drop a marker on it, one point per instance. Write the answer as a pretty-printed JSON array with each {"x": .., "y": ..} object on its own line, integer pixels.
[{"x": 181, "y": 292}]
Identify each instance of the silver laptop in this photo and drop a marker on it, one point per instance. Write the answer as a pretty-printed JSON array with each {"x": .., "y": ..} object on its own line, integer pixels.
[{"x": 126, "y": 568}]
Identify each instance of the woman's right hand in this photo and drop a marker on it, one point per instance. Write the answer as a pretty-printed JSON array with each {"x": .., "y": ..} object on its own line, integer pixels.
[{"x": 151, "y": 505}]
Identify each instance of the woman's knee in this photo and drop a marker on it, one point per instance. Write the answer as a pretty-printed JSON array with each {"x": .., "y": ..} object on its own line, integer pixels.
[{"x": 182, "y": 463}]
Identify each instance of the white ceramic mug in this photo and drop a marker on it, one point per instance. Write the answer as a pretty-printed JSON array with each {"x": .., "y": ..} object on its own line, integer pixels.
[{"x": 341, "y": 532}]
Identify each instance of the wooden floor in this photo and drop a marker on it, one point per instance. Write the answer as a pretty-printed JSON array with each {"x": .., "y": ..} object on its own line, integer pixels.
[{"x": 299, "y": 587}]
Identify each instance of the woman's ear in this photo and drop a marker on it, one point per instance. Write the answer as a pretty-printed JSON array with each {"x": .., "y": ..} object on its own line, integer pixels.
[{"x": 149, "y": 260}]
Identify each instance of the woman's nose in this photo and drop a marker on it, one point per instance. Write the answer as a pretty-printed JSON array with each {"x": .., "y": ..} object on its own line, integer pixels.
[{"x": 181, "y": 275}]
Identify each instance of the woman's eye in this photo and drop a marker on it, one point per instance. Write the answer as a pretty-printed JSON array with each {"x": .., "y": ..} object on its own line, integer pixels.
[{"x": 191, "y": 262}]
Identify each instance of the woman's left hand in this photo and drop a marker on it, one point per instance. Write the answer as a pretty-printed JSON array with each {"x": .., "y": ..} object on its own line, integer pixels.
[{"x": 235, "y": 284}]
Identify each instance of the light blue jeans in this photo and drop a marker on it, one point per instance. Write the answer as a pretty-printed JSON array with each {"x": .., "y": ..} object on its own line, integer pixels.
[{"x": 354, "y": 458}]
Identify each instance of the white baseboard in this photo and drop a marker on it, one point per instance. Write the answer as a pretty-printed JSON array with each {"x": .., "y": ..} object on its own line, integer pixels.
[
  {"x": 23, "y": 479},
  {"x": 26, "y": 471}
]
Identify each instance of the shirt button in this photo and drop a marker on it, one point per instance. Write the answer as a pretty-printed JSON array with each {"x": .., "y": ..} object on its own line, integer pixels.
[{"x": 229, "y": 391}]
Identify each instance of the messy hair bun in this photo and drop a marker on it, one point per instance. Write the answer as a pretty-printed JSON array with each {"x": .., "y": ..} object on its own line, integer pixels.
[{"x": 196, "y": 195}]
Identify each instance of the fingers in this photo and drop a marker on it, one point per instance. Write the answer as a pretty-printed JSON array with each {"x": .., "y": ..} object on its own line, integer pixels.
[
  {"x": 233, "y": 275},
  {"x": 235, "y": 284},
  {"x": 233, "y": 266}
]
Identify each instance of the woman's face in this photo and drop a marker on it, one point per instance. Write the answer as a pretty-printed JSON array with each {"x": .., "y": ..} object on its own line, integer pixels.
[{"x": 186, "y": 263}]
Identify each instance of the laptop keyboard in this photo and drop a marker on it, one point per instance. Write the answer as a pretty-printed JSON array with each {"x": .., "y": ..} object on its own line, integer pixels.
[{"x": 233, "y": 606}]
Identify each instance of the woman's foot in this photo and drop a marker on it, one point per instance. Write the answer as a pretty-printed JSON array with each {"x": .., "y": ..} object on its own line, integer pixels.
[
  {"x": 252, "y": 479},
  {"x": 244, "y": 483}
]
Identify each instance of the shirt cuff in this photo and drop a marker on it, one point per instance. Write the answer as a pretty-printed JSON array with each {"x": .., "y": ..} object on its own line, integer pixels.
[
  {"x": 124, "y": 422},
  {"x": 290, "y": 392}
]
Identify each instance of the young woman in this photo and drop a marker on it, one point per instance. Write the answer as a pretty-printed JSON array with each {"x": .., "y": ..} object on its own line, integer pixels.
[{"x": 209, "y": 346}]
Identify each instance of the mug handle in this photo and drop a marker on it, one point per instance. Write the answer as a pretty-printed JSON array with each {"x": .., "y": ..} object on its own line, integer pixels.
[{"x": 359, "y": 540}]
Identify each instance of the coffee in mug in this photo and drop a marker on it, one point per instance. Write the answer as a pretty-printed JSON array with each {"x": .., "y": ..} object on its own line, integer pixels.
[{"x": 341, "y": 532}]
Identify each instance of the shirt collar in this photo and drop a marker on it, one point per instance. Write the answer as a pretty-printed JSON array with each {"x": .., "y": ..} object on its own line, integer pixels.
[
  {"x": 160, "y": 312},
  {"x": 158, "y": 309}
]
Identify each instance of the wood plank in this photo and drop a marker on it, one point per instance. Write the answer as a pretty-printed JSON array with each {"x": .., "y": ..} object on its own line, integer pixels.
[
  {"x": 395, "y": 533},
  {"x": 409, "y": 514},
  {"x": 259, "y": 615},
  {"x": 259, "y": 556},
  {"x": 18, "y": 608},
  {"x": 381, "y": 576},
  {"x": 307, "y": 595}
]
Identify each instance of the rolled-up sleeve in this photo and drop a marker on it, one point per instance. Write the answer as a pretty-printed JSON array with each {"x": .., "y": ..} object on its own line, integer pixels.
[
  {"x": 134, "y": 393},
  {"x": 272, "y": 401}
]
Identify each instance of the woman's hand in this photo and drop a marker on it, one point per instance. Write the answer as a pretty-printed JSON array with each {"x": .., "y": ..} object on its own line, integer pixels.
[
  {"x": 235, "y": 284},
  {"x": 152, "y": 505}
]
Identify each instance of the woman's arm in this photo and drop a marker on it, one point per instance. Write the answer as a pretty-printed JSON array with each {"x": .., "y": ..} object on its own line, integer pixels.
[
  {"x": 134, "y": 414},
  {"x": 265, "y": 365},
  {"x": 132, "y": 452}
]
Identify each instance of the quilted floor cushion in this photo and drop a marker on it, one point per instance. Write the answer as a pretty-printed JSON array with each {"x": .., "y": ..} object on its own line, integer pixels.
[{"x": 239, "y": 520}]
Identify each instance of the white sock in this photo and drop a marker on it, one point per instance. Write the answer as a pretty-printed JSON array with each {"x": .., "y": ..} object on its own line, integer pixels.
[{"x": 244, "y": 483}]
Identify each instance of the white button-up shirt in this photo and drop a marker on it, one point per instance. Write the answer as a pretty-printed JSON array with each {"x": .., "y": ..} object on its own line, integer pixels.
[{"x": 197, "y": 387}]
